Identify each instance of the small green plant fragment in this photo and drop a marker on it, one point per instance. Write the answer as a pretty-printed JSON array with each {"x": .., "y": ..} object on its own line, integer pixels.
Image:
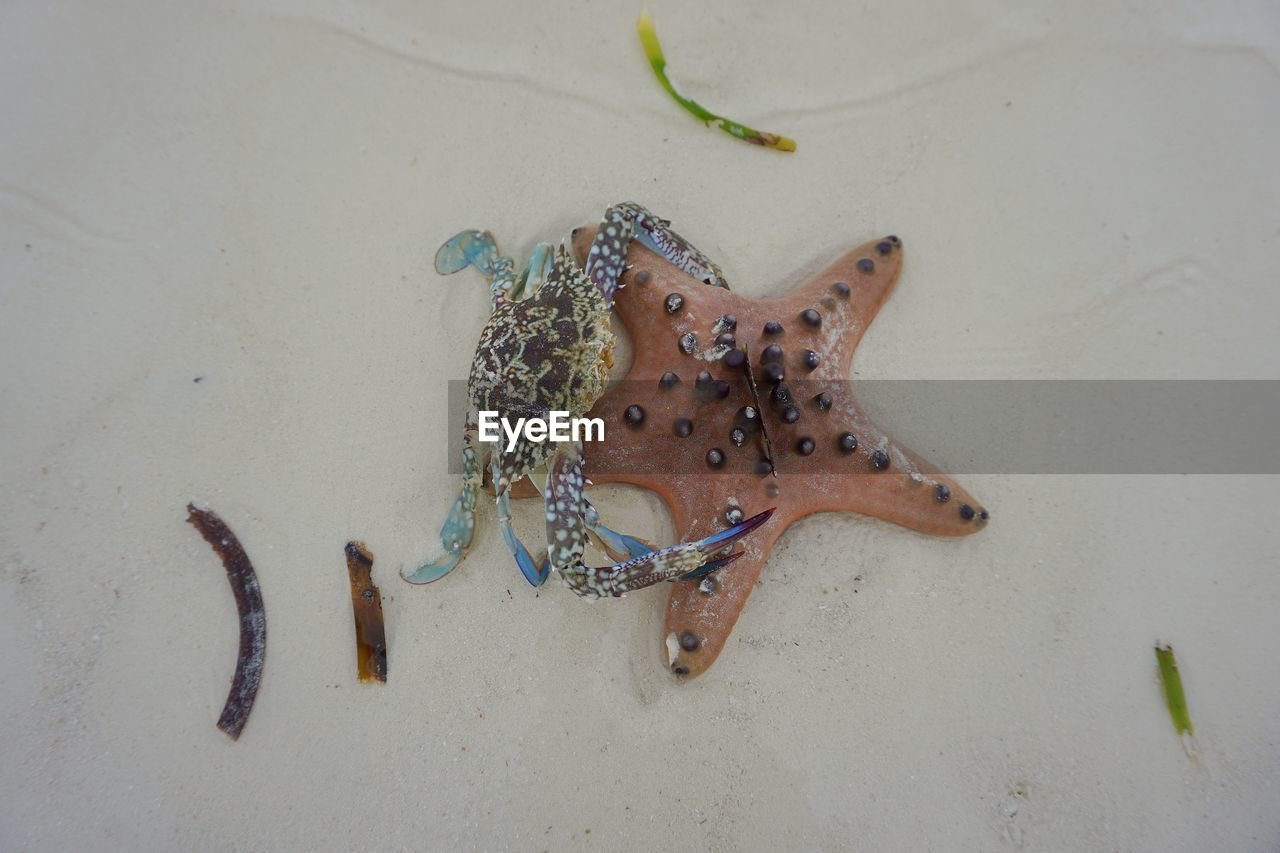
[
  {"x": 1173, "y": 690},
  {"x": 653, "y": 50}
]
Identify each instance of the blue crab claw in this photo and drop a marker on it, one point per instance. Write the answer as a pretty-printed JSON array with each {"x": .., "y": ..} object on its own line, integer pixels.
[
  {"x": 455, "y": 535},
  {"x": 684, "y": 561},
  {"x": 716, "y": 541},
  {"x": 629, "y": 221},
  {"x": 712, "y": 566},
  {"x": 468, "y": 249}
]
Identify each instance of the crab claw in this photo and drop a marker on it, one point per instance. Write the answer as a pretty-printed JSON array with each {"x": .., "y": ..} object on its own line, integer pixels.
[
  {"x": 712, "y": 566},
  {"x": 684, "y": 561},
  {"x": 716, "y": 541},
  {"x": 467, "y": 248}
]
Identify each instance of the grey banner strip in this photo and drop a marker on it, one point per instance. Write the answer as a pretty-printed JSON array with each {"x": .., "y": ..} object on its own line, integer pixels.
[{"x": 1054, "y": 426}]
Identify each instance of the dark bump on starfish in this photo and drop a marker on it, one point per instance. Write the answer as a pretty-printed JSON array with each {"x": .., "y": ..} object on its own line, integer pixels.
[
  {"x": 879, "y": 459},
  {"x": 847, "y": 442},
  {"x": 966, "y": 512},
  {"x": 725, "y": 339},
  {"x": 791, "y": 414},
  {"x": 842, "y": 290},
  {"x": 811, "y": 359},
  {"x": 668, "y": 380},
  {"x": 733, "y": 515},
  {"x": 763, "y": 467},
  {"x": 738, "y": 436},
  {"x": 773, "y": 373},
  {"x": 708, "y": 586},
  {"x": 682, "y": 427},
  {"x": 673, "y": 303},
  {"x": 721, "y": 388},
  {"x": 983, "y": 514},
  {"x": 823, "y": 401},
  {"x": 942, "y": 493},
  {"x": 735, "y": 359},
  {"x": 689, "y": 641},
  {"x": 781, "y": 395},
  {"x": 805, "y": 446},
  {"x": 634, "y": 415},
  {"x": 772, "y": 352},
  {"x": 866, "y": 265},
  {"x": 715, "y": 457},
  {"x": 773, "y": 327},
  {"x": 893, "y": 238},
  {"x": 811, "y": 317},
  {"x": 688, "y": 343},
  {"x": 747, "y": 414},
  {"x": 884, "y": 247},
  {"x": 680, "y": 670},
  {"x": 642, "y": 277},
  {"x": 704, "y": 377},
  {"x": 728, "y": 322}
]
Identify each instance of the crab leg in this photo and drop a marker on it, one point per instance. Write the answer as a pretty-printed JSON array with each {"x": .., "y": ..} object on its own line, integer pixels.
[
  {"x": 535, "y": 272},
  {"x": 535, "y": 572},
  {"x": 460, "y": 524},
  {"x": 627, "y": 221},
  {"x": 478, "y": 249},
  {"x": 617, "y": 544},
  {"x": 566, "y": 540}
]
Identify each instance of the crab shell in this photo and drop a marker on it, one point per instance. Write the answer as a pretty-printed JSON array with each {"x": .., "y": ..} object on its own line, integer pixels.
[{"x": 551, "y": 351}]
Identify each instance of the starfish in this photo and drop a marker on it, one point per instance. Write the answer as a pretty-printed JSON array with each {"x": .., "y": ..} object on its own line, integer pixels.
[{"x": 808, "y": 448}]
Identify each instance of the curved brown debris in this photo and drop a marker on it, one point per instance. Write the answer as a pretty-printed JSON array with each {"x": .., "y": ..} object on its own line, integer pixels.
[
  {"x": 879, "y": 477},
  {"x": 253, "y": 618},
  {"x": 366, "y": 604}
]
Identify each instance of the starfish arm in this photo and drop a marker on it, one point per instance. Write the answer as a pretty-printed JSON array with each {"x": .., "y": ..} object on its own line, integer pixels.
[
  {"x": 701, "y": 615},
  {"x": 848, "y": 294}
]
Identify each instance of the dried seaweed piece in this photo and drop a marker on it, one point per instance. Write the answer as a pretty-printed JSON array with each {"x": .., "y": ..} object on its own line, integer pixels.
[
  {"x": 653, "y": 51},
  {"x": 366, "y": 604},
  {"x": 1173, "y": 695},
  {"x": 253, "y": 617}
]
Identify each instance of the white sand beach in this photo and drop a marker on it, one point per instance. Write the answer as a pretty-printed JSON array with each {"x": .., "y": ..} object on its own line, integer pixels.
[{"x": 216, "y": 284}]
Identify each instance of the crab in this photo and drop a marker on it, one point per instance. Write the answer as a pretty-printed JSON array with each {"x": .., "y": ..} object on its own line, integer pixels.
[{"x": 548, "y": 346}]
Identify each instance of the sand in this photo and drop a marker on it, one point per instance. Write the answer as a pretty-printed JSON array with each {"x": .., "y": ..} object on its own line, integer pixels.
[{"x": 216, "y": 283}]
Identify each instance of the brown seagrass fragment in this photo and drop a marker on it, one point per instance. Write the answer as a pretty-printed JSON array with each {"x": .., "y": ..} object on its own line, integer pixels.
[{"x": 366, "y": 604}]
